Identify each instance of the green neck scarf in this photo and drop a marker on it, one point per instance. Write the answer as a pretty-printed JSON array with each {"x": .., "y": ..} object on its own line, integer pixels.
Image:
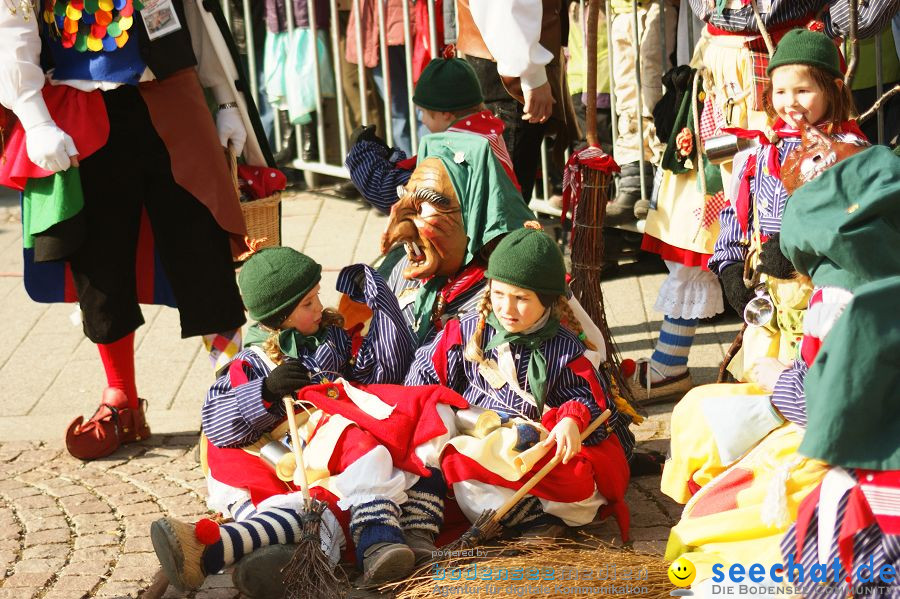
[
  {"x": 537, "y": 364},
  {"x": 289, "y": 340}
]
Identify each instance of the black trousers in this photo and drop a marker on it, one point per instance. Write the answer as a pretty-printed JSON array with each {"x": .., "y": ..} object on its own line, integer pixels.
[
  {"x": 130, "y": 173},
  {"x": 523, "y": 139}
]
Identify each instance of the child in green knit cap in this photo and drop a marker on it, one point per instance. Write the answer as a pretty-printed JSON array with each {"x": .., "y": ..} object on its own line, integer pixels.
[
  {"x": 521, "y": 356},
  {"x": 295, "y": 343},
  {"x": 450, "y": 99}
]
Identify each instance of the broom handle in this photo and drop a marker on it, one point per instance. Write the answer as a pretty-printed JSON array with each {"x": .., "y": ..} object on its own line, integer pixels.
[
  {"x": 523, "y": 491},
  {"x": 295, "y": 445}
]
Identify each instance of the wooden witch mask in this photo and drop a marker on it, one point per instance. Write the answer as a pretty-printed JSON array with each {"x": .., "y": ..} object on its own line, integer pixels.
[{"x": 427, "y": 219}]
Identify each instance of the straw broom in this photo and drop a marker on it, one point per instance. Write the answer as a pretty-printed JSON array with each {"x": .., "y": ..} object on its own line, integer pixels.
[
  {"x": 309, "y": 574},
  {"x": 589, "y": 215},
  {"x": 487, "y": 526},
  {"x": 552, "y": 569}
]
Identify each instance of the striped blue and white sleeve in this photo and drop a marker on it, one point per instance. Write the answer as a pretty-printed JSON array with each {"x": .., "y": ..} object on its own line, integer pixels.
[
  {"x": 422, "y": 371},
  {"x": 874, "y": 17},
  {"x": 374, "y": 171},
  {"x": 387, "y": 349},
  {"x": 728, "y": 249},
  {"x": 237, "y": 416},
  {"x": 788, "y": 396}
]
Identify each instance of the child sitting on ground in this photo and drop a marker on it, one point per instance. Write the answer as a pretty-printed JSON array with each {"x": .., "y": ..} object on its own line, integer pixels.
[
  {"x": 515, "y": 356},
  {"x": 449, "y": 95},
  {"x": 295, "y": 344}
]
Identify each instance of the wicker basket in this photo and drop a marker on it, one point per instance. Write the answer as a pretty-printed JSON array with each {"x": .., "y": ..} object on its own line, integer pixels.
[{"x": 262, "y": 216}]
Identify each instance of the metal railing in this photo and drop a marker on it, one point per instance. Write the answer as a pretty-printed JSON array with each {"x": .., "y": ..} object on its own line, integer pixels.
[{"x": 322, "y": 166}]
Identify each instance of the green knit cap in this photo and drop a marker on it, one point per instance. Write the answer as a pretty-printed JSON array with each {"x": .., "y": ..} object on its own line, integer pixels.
[
  {"x": 448, "y": 84},
  {"x": 275, "y": 279},
  {"x": 529, "y": 259},
  {"x": 801, "y": 46}
]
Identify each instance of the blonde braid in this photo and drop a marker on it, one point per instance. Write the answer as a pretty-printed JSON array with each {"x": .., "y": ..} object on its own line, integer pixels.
[
  {"x": 473, "y": 351},
  {"x": 273, "y": 348},
  {"x": 562, "y": 311},
  {"x": 568, "y": 319}
]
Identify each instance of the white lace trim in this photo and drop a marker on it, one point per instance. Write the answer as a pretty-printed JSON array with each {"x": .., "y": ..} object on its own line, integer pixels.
[{"x": 689, "y": 292}]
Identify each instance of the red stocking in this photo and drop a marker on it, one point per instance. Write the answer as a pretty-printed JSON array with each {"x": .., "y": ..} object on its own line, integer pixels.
[{"x": 118, "y": 362}]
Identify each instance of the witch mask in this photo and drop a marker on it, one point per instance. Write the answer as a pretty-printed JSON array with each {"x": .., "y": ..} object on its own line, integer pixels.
[{"x": 427, "y": 219}]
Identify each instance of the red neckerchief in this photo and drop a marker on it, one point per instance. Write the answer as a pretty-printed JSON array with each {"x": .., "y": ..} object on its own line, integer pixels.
[
  {"x": 488, "y": 126},
  {"x": 592, "y": 157},
  {"x": 782, "y": 131}
]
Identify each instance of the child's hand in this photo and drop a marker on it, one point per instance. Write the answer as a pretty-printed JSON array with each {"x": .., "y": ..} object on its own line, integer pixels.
[{"x": 567, "y": 438}]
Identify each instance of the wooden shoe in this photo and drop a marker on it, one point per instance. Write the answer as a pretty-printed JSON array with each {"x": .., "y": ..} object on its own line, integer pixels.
[
  {"x": 646, "y": 392},
  {"x": 180, "y": 553}
]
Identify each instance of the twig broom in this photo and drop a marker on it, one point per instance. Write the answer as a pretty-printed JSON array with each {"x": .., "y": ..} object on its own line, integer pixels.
[{"x": 309, "y": 574}]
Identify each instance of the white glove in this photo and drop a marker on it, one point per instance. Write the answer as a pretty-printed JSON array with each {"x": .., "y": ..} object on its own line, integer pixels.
[
  {"x": 50, "y": 147},
  {"x": 766, "y": 371},
  {"x": 231, "y": 130}
]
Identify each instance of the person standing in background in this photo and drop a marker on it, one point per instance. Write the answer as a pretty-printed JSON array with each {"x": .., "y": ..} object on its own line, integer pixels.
[{"x": 515, "y": 47}]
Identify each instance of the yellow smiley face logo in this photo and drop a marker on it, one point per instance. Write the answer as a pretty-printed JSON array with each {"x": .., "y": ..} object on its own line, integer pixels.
[{"x": 682, "y": 572}]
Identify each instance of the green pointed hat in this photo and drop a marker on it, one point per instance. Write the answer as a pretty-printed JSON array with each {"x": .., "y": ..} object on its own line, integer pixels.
[
  {"x": 851, "y": 388},
  {"x": 843, "y": 227},
  {"x": 491, "y": 205}
]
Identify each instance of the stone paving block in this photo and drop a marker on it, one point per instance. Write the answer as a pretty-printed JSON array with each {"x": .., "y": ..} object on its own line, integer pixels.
[
  {"x": 96, "y": 540},
  {"x": 86, "y": 568},
  {"x": 39, "y": 565},
  {"x": 117, "y": 589},
  {"x": 76, "y": 584},
  {"x": 56, "y": 535},
  {"x": 45, "y": 523},
  {"x": 28, "y": 580},
  {"x": 136, "y": 509}
]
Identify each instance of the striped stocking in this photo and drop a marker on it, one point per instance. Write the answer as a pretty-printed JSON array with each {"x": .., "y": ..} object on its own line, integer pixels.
[
  {"x": 375, "y": 521},
  {"x": 240, "y": 538},
  {"x": 671, "y": 354}
]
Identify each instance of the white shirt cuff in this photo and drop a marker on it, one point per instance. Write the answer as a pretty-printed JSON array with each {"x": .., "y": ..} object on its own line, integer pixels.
[{"x": 534, "y": 76}]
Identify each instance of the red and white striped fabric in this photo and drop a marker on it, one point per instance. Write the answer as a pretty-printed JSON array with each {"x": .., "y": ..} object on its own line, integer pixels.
[{"x": 486, "y": 125}]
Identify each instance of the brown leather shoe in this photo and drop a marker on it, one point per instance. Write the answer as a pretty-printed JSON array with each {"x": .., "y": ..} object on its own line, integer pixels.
[
  {"x": 387, "y": 562},
  {"x": 112, "y": 424}
]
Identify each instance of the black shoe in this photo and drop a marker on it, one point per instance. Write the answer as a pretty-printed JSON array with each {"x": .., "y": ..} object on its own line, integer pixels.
[
  {"x": 258, "y": 574},
  {"x": 347, "y": 190}
]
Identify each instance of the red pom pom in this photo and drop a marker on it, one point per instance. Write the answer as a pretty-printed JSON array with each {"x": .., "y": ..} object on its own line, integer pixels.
[
  {"x": 628, "y": 367},
  {"x": 207, "y": 532}
]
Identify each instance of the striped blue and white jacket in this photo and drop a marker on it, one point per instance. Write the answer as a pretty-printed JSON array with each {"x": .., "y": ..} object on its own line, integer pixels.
[
  {"x": 236, "y": 416},
  {"x": 563, "y": 385}
]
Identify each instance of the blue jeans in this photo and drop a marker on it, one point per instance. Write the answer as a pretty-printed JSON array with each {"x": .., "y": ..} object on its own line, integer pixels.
[{"x": 399, "y": 104}]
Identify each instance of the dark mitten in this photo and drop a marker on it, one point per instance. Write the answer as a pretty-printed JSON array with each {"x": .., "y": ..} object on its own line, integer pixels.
[
  {"x": 284, "y": 380},
  {"x": 366, "y": 133},
  {"x": 772, "y": 261},
  {"x": 736, "y": 292}
]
